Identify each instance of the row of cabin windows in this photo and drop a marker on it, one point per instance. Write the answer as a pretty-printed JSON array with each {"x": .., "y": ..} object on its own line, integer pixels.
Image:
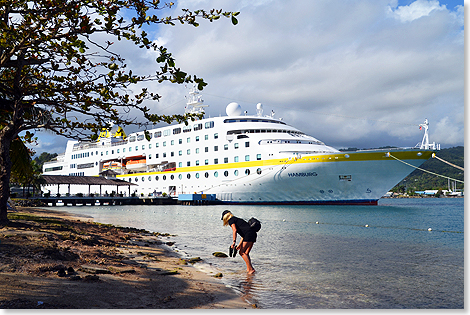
[
  {"x": 188, "y": 176},
  {"x": 206, "y": 149},
  {"x": 175, "y": 131}
]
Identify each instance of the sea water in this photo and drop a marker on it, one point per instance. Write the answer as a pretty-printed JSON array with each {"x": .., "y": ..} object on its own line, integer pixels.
[{"x": 403, "y": 253}]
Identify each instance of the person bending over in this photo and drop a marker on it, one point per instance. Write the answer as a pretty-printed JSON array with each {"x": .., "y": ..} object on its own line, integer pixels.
[{"x": 248, "y": 237}]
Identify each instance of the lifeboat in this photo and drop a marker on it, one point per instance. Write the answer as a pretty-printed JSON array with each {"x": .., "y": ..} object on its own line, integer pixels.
[
  {"x": 136, "y": 164},
  {"x": 112, "y": 165}
]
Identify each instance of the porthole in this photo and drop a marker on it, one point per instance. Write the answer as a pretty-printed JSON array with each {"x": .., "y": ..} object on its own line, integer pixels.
[
  {"x": 180, "y": 176},
  {"x": 247, "y": 172},
  {"x": 143, "y": 178},
  {"x": 206, "y": 175},
  {"x": 197, "y": 175},
  {"x": 188, "y": 176},
  {"x": 226, "y": 173},
  {"x": 136, "y": 179},
  {"x": 156, "y": 177},
  {"x": 235, "y": 172},
  {"x": 150, "y": 178},
  {"x": 216, "y": 174},
  {"x": 164, "y": 177},
  {"x": 172, "y": 177},
  {"x": 258, "y": 171}
]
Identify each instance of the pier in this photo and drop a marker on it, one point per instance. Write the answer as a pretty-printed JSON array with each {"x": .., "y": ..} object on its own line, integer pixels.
[{"x": 106, "y": 200}]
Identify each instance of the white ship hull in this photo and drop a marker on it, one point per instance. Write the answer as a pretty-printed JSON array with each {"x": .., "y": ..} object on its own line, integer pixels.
[{"x": 242, "y": 159}]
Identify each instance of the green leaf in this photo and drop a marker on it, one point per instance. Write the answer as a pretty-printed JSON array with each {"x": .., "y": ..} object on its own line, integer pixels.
[{"x": 234, "y": 20}]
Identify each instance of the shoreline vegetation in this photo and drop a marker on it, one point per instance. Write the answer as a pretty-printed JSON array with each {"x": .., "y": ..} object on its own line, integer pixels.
[{"x": 56, "y": 260}]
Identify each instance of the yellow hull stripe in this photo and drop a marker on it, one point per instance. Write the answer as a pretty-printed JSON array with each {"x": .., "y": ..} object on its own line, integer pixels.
[{"x": 324, "y": 158}]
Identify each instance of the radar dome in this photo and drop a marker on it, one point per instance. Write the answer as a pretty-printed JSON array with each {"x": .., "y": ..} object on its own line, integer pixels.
[{"x": 233, "y": 109}]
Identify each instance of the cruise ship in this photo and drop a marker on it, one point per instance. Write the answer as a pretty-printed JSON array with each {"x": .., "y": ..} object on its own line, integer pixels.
[{"x": 239, "y": 158}]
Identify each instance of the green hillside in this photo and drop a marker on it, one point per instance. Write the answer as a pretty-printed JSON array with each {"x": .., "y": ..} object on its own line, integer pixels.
[{"x": 419, "y": 180}]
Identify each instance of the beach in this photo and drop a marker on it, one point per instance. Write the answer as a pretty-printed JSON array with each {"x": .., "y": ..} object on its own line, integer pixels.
[{"x": 57, "y": 260}]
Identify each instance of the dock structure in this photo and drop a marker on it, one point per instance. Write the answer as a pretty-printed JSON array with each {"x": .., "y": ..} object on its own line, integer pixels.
[
  {"x": 197, "y": 199},
  {"x": 106, "y": 200}
]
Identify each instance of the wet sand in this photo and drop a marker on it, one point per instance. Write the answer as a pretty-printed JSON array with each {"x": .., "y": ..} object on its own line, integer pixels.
[{"x": 56, "y": 260}]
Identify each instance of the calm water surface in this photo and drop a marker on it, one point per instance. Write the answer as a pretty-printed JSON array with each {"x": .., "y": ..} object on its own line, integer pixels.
[{"x": 323, "y": 256}]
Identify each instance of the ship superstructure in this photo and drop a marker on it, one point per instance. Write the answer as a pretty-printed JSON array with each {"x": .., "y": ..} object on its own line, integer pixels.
[{"x": 256, "y": 159}]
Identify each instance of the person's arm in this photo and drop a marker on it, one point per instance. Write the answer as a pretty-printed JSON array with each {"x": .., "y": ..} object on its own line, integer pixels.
[{"x": 234, "y": 229}]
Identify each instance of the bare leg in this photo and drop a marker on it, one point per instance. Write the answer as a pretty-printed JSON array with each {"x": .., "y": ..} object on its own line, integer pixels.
[{"x": 245, "y": 249}]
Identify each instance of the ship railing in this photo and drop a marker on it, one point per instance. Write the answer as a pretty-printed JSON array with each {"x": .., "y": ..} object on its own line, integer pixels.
[{"x": 57, "y": 159}]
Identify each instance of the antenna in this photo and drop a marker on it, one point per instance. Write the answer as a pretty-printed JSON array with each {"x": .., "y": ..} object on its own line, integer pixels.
[{"x": 195, "y": 102}]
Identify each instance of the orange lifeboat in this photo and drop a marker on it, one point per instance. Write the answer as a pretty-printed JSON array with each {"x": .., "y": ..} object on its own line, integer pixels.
[{"x": 136, "y": 164}]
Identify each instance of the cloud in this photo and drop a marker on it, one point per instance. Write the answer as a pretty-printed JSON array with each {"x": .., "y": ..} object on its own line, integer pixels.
[
  {"x": 350, "y": 73},
  {"x": 416, "y": 9}
]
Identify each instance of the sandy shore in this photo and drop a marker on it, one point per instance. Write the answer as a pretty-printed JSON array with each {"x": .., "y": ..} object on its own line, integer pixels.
[{"x": 52, "y": 259}]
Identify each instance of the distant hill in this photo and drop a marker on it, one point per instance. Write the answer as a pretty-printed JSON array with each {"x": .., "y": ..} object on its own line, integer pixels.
[{"x": 419, "y": 180}]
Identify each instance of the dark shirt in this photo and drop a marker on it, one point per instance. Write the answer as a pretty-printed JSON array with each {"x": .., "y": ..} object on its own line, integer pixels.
[{"x": 242, "y": 226}]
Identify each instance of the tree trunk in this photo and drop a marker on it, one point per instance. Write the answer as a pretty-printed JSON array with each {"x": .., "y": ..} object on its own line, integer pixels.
[{"x": 6, "y": 136}]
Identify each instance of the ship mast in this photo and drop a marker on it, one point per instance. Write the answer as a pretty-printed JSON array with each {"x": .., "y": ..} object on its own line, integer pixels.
[
  {"x": 425, "y": 142},
  {"x": 195, "y": 102}
]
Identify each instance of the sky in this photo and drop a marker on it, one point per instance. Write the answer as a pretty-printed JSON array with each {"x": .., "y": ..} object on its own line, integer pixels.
[{"x": 360, "y": 74}]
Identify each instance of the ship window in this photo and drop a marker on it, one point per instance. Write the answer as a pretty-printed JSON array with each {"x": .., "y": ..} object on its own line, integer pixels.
[
  {"x": 209, "y": 124},
  {"x": 164, "y": 177},
  {"x": 150, "y": 156},
  {"x": 216, "y": 161},
  {"x": 180, "y": 152},
  {"x": 130, "y": 180},
  {"x": 225, "y": 146},
  {"x": 258, "y": 171},
  {"x": 180, "y": 164},
  {"x": 235, "y": 159},
  {"x": 247, "y": 157},
  {"x": 225, "y": 159},
  {"x": 216, "y": 148},
  {"x": 180, "y": 176},
  {"x": 206, "y": 162},
  {"x": 140, "y": 137},
  {"x": 123, "y": 150},
  {"x": 157, "y": 134},
  {"x": 143, "y": 147},
  {"x": 166, "y": 132},
  {"x": 180, "y": 141},
  {"x": 247, "y": 172},
  {"x": 216, "y": 136},
  {"x": 157, "y": 145},
  {"x": 258, "y": 157},
  {"x": 186, "y": 128},
  {"x": 206, "y": 149},
  {"x": 97, "y": 152},
  {"x": 136, "y": 179},
  {"x": 235, "y": 145},
  {"x": 197, "y": 138},
  {"x": 164, "y": 143},
  {"x": 150, "y": 146},
  {"x": 206, "y": 175},
  {"x": 136, "y": 148},
  {"x": 188, "y": 163},
  {"x": 206, "y": 137},
  {"x": 172, "y": 177},
  {"x": 247, "y": 144},
  {"x": 102, "y": 153},
  {"x": 188, "y": 140},
  {"x": 164, "y": 154},
  {"x": 117, "y": 152},
  {"x": 143, "y": 178},
  {"x": 235, "y": 172},
  {"x": 216, "y": 174},
  {"x": 156, "y": 177},
  {"x": 188, "y": 176},
  {"x": 150, "y": 178},
  {"x": 226, "y": 173},
  {"x": 197, "y": 150},
  {"x": 188, "y": 152},
  {"x": 172, "y": 154},
  {"x": 197, "y": 127},
  {"x": 131, "y": 139},
  {"x": 197, "y": 162},
  {"x": 172, "y": 142},
  {"x": 176, "y": 131},
  {"x": 197, "y": 175},
  {"x": 156, "y": 155}
]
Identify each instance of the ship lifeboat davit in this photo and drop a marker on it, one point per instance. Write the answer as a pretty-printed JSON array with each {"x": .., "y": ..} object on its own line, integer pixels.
[
  {"x": 136, "y": 164},
  {"x": 112, "y": 165}
]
